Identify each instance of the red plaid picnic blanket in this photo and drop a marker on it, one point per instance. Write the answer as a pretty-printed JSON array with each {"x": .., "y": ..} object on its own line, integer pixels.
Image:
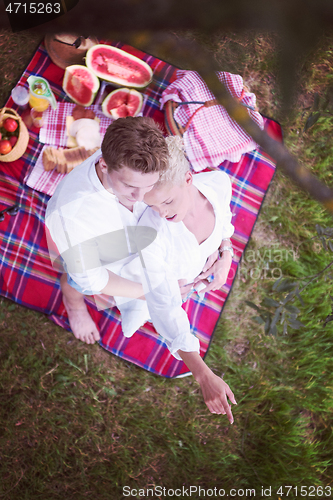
[
  {"x": 212, "y": 136},
  {"x": 26, "y": 273}
]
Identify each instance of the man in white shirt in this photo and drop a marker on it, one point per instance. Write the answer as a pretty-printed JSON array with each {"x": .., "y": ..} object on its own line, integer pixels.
[{"x": 89, "y": 210}]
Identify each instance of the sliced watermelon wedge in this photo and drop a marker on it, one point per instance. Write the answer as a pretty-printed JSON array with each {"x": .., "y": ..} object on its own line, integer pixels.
[
  {"x": 80, "y": 84},
  {"x": 117, "y": 66},
  {"x": 122, "y": 102}
]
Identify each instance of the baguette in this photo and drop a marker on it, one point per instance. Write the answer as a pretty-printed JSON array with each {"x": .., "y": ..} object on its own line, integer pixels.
[{"x": 64, "y": 160}]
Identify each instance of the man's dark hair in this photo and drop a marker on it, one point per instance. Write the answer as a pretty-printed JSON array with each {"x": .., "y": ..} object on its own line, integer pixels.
[{"x": 136, "y": 143}]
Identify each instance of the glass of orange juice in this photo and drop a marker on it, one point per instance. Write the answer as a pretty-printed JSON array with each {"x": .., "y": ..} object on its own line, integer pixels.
[
  {"x": 38, "y": 103},
  {"x": 40, "y": 93}
]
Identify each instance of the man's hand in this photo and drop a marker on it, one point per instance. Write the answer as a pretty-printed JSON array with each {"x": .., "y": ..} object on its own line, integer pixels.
[
  {"x": 214, "y": 390},
  {"x": 220, "y": 269}
]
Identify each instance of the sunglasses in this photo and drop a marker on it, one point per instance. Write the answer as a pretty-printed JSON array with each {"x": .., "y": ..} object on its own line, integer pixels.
[
  {"x": 76, "y": 42},
  {"x": 10, "y": 210}
]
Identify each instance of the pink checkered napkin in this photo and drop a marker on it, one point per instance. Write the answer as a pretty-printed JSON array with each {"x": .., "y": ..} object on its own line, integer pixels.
[
  {"x": 42, "y": 180},
  {"x": 53, "y": 132},
  {"x": 212, "y": 136}
]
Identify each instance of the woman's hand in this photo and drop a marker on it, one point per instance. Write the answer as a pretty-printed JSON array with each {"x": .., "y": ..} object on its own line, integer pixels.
[
  {"x": 214, "y": 390},
  {"x": 220, "y": 269}
]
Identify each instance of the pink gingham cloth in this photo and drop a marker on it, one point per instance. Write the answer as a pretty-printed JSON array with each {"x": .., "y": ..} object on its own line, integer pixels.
[
  {"x": 212, "y": 136},
  {"x": 42, "y": 180},
  {"x": 53, "y": 131}
]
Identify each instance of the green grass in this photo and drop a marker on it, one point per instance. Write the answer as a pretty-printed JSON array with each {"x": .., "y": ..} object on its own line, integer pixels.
[
  {"x": 79, "y": 423},
  {"x": 16, "y": 50}
]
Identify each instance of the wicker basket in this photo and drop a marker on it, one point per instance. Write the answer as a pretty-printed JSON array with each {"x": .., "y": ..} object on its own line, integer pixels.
[
  {"x": 23, "y": 137},
  {"x": 175, "y": 128},
  {"x": 170, "y": 107},
  {"x": 171, "y": 125}
]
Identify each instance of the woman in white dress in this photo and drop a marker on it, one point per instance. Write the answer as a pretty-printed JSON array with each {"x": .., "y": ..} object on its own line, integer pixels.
[{"x": 192, "y": 217}]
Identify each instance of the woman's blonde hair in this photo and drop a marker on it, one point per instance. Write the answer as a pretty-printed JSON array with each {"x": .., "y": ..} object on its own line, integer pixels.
[{"x": 178, "y": 164}]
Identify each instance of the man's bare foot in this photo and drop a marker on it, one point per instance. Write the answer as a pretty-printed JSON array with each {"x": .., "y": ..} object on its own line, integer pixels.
[{"x": 81, "y": 323}]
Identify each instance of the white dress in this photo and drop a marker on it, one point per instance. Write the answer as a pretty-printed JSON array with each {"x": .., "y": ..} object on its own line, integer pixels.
[{"x": 175, "y": 254}]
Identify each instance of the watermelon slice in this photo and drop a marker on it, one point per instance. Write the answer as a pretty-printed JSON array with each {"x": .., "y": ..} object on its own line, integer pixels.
[
  {"x": 117, "y": 66},
  {"x": 122, "y": 102},
  {"x": 80, "y": 84}
]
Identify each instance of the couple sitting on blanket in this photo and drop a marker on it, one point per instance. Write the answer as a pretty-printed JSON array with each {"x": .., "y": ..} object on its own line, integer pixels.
[{"x": 100, "y": 210}]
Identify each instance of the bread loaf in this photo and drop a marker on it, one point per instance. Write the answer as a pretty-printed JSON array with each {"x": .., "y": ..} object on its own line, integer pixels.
[
  {"x": 49, "y": 158},
  {"x": 64, "y": 160}
]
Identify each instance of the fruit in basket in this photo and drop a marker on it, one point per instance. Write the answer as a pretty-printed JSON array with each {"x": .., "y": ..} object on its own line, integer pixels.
[
  {"x": 80, "y": 84},
  {"x": 8, "y": 150},
  {"x": 13, "y": 140},
  {"x": 117, "y": 66},
  {"x": 10, "y": 124},
  {"x": 122, "y": 102},
  {"x": 5, "y": 147}
]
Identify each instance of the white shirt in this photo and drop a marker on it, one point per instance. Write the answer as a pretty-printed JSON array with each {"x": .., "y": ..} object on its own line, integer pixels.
[
  {"x": 175, "y": 254},
  {"x": 88, "y": 225}
]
